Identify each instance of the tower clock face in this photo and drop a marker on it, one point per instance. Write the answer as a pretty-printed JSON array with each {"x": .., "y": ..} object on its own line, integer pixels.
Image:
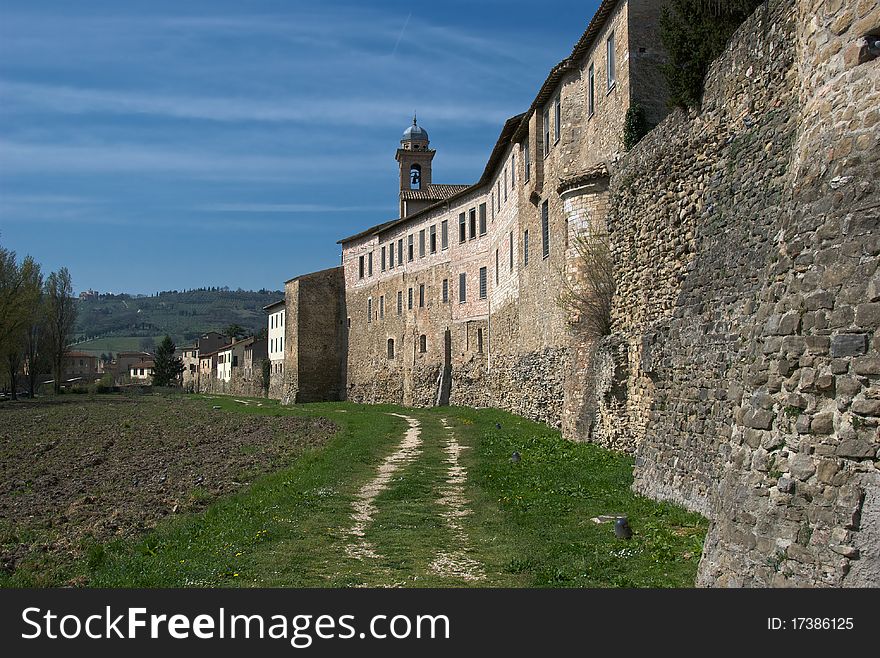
[{"x": 415, "y": 178}]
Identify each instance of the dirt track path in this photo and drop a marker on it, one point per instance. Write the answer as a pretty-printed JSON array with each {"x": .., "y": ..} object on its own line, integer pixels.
[{"x": 455, "y": 563}]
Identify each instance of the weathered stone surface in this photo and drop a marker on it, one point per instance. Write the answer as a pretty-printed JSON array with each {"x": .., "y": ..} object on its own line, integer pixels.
[
  {"x": 843, "y": 345},
  {"x": 856, "y": 449},
  {"x": 801, "y": 467},
  {"x": 822, "y": 423},
  {"x": 866, "y": 407}
]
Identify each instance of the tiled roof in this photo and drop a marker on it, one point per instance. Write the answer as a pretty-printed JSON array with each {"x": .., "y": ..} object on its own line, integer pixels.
[
  {"x": 432, "y": 193},
  {"x": 79, "y": 355}
]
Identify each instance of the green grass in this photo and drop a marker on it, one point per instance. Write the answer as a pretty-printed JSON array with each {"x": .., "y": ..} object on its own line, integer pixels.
[{"x": 530, "y": 522}]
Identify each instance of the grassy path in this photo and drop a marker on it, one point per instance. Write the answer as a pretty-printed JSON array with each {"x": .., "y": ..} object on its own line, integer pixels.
[{"x": 424, "y": 498}]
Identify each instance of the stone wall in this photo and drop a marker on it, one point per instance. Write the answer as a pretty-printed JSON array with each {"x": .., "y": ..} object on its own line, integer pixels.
[
  {"x": 743, "y": 369},
  {"x": 314, "y": 342}
]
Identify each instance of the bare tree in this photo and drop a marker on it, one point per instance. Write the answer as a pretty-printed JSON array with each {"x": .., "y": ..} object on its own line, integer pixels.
[
  {"x": 36, "y": 348},
  {"x": 60, "y": 317},
  {"x": 19, "y": 295},
  {"x": 587, "y": 291}
]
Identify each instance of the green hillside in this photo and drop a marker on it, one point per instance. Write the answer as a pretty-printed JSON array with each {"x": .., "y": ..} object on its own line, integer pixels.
[{"x": 113, "y": 323}]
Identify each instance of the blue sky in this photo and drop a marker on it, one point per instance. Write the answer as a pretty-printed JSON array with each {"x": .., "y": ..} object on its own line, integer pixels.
[{"x": 167, "y": 145}]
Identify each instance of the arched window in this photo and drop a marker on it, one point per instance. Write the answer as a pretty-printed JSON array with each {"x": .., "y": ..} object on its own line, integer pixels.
[
  {"x": 415, "y": 177},
  {"x": 390, "y": 348},
  {"x": 423, "y": 343}
]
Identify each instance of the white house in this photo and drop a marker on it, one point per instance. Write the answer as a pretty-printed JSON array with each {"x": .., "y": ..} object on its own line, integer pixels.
[
  {"x": 276, "y": 335},
  {"x": 141, "y": 371},
  {"x": 225, "y": 362}
]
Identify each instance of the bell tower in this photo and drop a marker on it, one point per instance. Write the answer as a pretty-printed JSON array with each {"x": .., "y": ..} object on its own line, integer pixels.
[{"x": 414, "y": 158}]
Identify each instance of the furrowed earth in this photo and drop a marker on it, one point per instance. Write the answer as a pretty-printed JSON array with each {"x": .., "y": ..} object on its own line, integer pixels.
[{"x": 76, "y": 472}]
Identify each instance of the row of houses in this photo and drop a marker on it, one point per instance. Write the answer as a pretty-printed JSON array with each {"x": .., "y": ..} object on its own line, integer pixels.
[{"x": 217, "y": 363}]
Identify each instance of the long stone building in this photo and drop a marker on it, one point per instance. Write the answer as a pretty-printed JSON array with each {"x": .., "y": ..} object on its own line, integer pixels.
[
  {"x": 456, "y": 299},
  {"x": 742, "y": 369}
]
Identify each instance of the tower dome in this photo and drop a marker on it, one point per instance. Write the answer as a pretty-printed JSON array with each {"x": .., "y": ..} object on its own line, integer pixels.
[{"x": 415, "y": 133}]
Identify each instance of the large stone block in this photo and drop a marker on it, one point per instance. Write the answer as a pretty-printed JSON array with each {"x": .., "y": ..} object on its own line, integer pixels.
[{"x": 849, "y": 345}]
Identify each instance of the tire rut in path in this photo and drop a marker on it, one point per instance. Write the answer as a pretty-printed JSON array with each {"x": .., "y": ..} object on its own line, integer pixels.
[
  {"x": 456, "y": 563},
  {"x": 365, "y": 500}
]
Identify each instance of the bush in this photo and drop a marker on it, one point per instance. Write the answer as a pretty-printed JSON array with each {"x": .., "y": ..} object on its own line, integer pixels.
[
  {"x": 695, "y": 32},
  {"x": 635, "y": 126}
]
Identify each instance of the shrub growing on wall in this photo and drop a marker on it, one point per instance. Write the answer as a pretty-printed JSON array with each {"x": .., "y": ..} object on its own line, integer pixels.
[
  {"x": 635, "y": 126},
  {"x": 694, "y": 32},
  {"x": 587, "y": 292}
]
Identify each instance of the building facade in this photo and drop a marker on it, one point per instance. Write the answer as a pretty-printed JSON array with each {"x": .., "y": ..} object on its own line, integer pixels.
[{"x": 458, "y": 299}]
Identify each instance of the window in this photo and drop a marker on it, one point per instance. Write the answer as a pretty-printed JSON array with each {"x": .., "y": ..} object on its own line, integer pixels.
[
  {"x": 383, "y": 258},
  {"x": 492, "y": 200},
  {"x": 546, "y": 119},
  {"x": 504, "y": 176},
  {"x": 482, "y": 219},
  {"x": 422, "y": 243},
  {"x": 591, "y": 91},
  {"x": 609, "y": 54},
  {"x": 410, "y": 254},
  {"x": 525, "y": 247},
  {"x": 462, "y": 288},
  {"x": 390, "y": 348},
  {"x": 480, "y": 340},
  {"x": 370, "y": 309},
  {"x": 462, "y": 236},
  {"x": 557, "y": 119},
  {"x": 409, "y": 303},
  {"x": 381, "y": 307},
  {"x": 423, "y": 343},
  {"x": 545, "y": 230},
  {"x": 483, "y": 283},
  {"x": 400, "y": 251},
  {"x": 399, "y": 302},
  {"x": 391, "y": 256},
  {"x": 444, "y": 234},
  {"x": 360, "y": 267},
  {"x": 445, "y": 290},
  {"x": 496, "y": 267},
  {"x": 433, "y": 239},
  {"x": 421, "y": 295},
  {"x": 527, "y": 163},
  {"x": 510, "y": 249},
  {"x": 370, "y": 264},
  {"x": 472, "y": 216},
  {"x": 512, "y": 170}
]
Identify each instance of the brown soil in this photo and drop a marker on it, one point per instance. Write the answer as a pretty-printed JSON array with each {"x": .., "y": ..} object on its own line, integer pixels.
[{"x": 75, "y": 470}]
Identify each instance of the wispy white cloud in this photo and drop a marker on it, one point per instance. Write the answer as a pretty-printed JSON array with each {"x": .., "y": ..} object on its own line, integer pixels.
[
  {"x": 25, "y": 157},
  {"x": 284, "y": 208},
  {"x": 26, "y": 97}
]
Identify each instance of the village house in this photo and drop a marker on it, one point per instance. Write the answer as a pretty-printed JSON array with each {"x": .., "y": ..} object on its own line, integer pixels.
[
  {"x": 276, "y": 314},
  {"x": 142, "y": 371}
]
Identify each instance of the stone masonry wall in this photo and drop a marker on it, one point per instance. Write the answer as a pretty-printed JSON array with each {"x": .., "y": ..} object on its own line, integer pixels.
[{"x": 743, "y": 368}]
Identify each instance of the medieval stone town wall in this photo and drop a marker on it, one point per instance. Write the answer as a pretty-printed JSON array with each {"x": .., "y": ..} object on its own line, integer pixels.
[{"x": 743, "y": 370}]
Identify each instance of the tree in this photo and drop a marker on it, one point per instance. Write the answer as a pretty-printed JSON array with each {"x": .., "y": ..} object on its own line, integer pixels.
[
  {"x": 60, "y": 317},
  {"x": 587, "y": 294},
  {"x": 267, "y": 375},
  {"x": 148, "y": 344},
  {"x": 34, "y": 346},
  {"x": 166, "y": 367},
  {"x": 695, "y": 32},
  {"x": 19, "y": 301},
  {"x": 234, "y": 331}
]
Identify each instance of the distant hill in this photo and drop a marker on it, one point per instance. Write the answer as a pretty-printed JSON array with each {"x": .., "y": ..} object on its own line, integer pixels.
[{"x": 113, "y": 323}]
